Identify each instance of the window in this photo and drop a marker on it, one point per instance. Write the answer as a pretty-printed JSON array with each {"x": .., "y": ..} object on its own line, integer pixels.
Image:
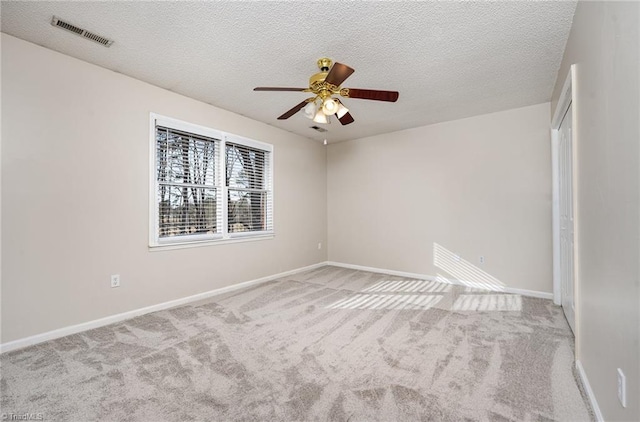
[{"x": 207, "y": 185}]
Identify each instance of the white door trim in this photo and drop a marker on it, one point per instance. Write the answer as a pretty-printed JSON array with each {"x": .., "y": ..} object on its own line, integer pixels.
[
  {"x": 555, "y": 219},
  {"x": 567, "y": 97}
]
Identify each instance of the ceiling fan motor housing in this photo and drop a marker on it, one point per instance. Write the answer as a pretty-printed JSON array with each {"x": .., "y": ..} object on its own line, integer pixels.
[
  {"x": 324, "y": 64},
  {"x": 317, "y": 79}
]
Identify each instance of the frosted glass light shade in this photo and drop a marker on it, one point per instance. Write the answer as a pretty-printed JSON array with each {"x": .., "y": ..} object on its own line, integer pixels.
[
  {"x": 342, "y": 110},
  {"x": 330, "y": 106},
  {"x": 320, "y": 117},
  {"x": 310, "y": 110}
]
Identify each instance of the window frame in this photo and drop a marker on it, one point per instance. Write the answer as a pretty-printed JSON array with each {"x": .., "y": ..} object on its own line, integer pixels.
[{"x": 222, "y": 138}]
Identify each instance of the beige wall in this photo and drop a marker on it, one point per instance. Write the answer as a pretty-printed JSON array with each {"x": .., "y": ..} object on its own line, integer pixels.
[
  {"x": 477, "y": 186},
  {"x": 604, "y": 45},
  {"x": 75, "y": 180}
]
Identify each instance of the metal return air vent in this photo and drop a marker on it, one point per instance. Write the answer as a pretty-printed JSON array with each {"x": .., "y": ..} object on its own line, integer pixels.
[
  {"x": 318, "y": 128},
  {"x": 57, "y": 22}
]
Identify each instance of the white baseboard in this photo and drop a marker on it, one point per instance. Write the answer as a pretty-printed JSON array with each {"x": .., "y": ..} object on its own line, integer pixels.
[
  {"x": 522, "y": 292},
  {"x": 530, "y": 293},
  {"x": 589, "y": 391},
  {"x": 380, "y": 270},
  {"x": 89, "y": 325}
]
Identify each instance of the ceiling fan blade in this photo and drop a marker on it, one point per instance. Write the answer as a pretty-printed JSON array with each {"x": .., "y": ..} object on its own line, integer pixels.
[
  {"x": 293, "y": 111},
  {"x": 339, "y": 73},
  {"x": 373, "y": 94},
  {"x": 275, "y": 88},
  {"x": 346, "y": 119}
]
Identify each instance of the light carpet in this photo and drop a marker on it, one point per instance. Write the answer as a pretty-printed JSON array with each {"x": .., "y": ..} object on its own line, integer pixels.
[{"x": 328, "y": 344}]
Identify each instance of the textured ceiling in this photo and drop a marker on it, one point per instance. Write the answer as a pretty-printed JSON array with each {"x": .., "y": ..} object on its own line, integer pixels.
[{"x": 448, "y": 60}]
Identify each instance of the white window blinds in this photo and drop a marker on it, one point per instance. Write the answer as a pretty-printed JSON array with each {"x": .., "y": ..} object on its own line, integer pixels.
[
  {"x": 206, "y": 188},
  {"x": 248, "y": 184},
  {"x": 188, "y": 184}
]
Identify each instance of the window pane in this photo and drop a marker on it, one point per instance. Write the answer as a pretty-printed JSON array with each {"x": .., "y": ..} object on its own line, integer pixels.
[
  {"x": 247, "y": 211},
  {"x": 246, "y": 177},
  {"x": 187, "y": 211},
  {"x": 245, "y": 167},
  {"x": 185, "y": 158}
]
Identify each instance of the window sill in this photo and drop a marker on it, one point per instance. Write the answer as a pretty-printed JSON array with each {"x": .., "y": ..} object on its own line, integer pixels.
[{"x": 212, "y": 242}]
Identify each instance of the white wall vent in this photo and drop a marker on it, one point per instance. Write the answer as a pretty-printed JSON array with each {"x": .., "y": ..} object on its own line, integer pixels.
[
  {"x": 318, "y": 128},
  {"x": 56, "y": 21}
]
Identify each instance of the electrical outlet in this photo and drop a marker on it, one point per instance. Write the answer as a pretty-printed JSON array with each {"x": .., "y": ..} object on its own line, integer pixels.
[
  {"x": 115, "y": 280},
  {"x": 622, "y": 388},
  {"x": 319, "y": 245},
  {"x": 481, "y": 259}
]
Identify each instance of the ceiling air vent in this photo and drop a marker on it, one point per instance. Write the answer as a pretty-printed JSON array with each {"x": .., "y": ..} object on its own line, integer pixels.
[
  {"x": 82, "y": 32},
  {"x": 318, "y": 128}
]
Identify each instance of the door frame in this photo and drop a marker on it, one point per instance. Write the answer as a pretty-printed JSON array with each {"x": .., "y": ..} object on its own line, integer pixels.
[{"x": 567, "y": 98}]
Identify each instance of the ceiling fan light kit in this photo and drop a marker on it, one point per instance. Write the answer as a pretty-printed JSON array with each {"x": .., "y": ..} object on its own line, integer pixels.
[
  {"x": 342, "y": 110},
  {"x": 324, "y": 85},
  {"x": 309, "y": 110},
  {"x": 320, "y": 117},
  {"x": 330, "y": 106}
]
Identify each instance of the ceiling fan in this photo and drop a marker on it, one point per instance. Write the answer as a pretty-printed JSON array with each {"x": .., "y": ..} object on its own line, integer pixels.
[{"x": 324, "y": 85}]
